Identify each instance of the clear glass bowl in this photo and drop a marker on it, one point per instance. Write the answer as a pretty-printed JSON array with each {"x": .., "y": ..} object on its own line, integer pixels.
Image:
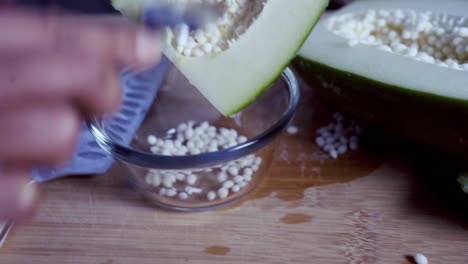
[{"x": 192, "y": 181}]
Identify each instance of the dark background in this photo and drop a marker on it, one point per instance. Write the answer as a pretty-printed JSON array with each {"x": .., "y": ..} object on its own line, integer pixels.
[
  {"x": 103, "y": 6},
  {"x": 87, "y": 6}
]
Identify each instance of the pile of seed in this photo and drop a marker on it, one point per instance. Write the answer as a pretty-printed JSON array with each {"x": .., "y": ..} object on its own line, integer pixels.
[
  {"x": 434, "y": 38},
  {"x": 192, "y": 139},
  {"x": 339, "y": 136},
  {"x": 217, "y": 37}
]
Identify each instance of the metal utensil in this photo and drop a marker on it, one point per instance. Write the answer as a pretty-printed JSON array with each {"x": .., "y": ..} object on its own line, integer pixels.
[{"x": 169, "y": 14}]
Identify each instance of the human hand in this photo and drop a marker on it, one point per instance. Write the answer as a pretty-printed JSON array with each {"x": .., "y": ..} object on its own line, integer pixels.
[{"x": 55, "y": 71}]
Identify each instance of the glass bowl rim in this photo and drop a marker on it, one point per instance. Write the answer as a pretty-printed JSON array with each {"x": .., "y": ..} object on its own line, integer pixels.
[{"x": 208, "y": 159}]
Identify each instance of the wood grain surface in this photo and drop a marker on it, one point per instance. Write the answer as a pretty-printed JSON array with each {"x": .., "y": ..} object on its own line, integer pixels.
[{"x": 376, "y": 205}]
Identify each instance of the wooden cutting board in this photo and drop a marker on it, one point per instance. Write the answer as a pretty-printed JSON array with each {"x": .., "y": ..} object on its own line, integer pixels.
[{"x": 376, "y": 205}]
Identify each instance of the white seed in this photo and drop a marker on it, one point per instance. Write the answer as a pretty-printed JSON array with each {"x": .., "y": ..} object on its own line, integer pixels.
[
  {"x": 463, "y": 32},
  {"x": 228, "y": 184},
  {"x": 242, "y": 139},
  {"x": 222, "y": 177},
  {"x": 188, "y": 133},
  {"x": 211, "y": 134},
  {"x": 190, "y": 144},
  {"x": 233, "y": 134},
  {"x": 177, "y": 144},
  {"x": 292, "y": 130},
  {"x": 321, "y": 130},
  {"x": 183, "y": 196},
  {"x": 171, "y": 192},
  {"x": 183, "y": 34},
  {"x": 320, "y": 141},
  {"x": 232, "y": 143},
  {"x": 248, "y": 171},
  {"x": 212, "y": 149},
  {"x": 420, "y": 259},
  {"x": 223, "y": 193},
  {"x": 180, "y": 176},
  {"x": 258, "y": 161},
  {"x": 342, "y": 149},
  {"x": 333, "y": 153},
  {"x": 192, "y": 179},
  {"x": 236, "y": 188},
  {"x": 152, "y": 140},
  {"x": 199, "y": 144},
  {"x": 211, "y": 196},
  {"x": 247, "y": 178},
  {"x": 154, "y": 150},
  {"x": 353, "y": 42},
  {"x": 353, "y": 145},
  {"x": 245, "y": 162},
  {"x": 328, "y": 147},
  {"x": 242, "y": 184},
  {"x": 343, "y": 140},
  {"x": 197, "y": 52},
  {"x": 201, "y": 39},
  {"x": 191, "y": 190},
  {"x": 224, "y": 132},
  {"x": 167, "y": 182},
  {"x": 157, "y": 180},
  {"x": 194, "y": 151},
  {"x": 187, "y": 52},
  {"x": 238, "y": 179},
  {"x": 233, "y": 171}
]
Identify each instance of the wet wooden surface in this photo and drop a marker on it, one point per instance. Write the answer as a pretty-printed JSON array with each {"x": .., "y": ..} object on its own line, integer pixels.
[{"x": 376, "y": 205}]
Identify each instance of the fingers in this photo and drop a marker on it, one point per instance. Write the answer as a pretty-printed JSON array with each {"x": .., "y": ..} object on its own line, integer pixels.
[
  {"x": 73, "y": 77},
  {"x": 17, "y": 195},
  {"x": 38, "y": 134},
  {"x": 110, "y": 38},
  {"x": 113, "y": 38}
]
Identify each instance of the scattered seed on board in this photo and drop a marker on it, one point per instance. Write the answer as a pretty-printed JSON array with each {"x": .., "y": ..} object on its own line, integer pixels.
[
  {"x": 292, "y": 130},
  {"x": 339, "y": 136}
]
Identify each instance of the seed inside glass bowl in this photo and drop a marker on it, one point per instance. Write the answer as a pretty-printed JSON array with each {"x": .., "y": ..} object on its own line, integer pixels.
[{"x": 209, "y": 184}]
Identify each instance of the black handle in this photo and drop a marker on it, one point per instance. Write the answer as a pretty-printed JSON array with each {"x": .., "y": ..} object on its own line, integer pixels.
[{"x": 82, "y": 6}]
